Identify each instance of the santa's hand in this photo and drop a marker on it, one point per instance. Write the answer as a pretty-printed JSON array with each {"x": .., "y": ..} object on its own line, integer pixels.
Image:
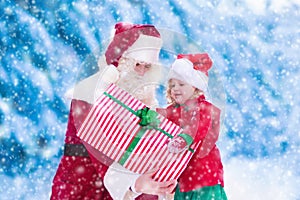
[
  {"x": 180, "y": 143},
  {"x": 147, "y": 185}
]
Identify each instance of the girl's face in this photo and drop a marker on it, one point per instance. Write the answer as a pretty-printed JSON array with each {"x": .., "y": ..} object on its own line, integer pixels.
[{"x": 180, "y": 91}]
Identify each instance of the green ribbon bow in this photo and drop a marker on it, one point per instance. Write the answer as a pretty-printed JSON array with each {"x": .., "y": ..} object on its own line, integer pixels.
[{"x": 148, "y": 118}]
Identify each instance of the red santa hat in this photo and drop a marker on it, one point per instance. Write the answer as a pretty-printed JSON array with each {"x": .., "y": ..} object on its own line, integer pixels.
[
  {"x": 139, "y": 41},
  {"x": 192, "y": 69}
]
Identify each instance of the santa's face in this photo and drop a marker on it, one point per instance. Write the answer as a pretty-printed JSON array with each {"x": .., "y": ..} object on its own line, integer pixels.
[
  {"x": 137, "y": 78},
  {"x": 138, "y": 69},
  {"x": 181, "y": 91},
  {"x": 133, "y": 74},
  {"x": 141, "y": 68}
]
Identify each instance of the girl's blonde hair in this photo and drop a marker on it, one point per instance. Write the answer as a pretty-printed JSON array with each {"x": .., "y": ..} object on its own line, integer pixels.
[{"x": 170, "y": 100}]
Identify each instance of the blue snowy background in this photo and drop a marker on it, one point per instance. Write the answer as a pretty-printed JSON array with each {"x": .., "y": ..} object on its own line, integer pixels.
[{"x": 255, "y": 45}]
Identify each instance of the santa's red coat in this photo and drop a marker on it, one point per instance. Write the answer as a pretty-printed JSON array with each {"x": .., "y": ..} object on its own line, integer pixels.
[
  {"x": 81, "y": 177},
  {"x": 77, "y": 177}
]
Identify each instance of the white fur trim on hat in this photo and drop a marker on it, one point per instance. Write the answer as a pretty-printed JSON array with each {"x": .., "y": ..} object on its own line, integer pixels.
[
  {"x": 183, "y": 69},
  {"x": 146, "y": 48}
]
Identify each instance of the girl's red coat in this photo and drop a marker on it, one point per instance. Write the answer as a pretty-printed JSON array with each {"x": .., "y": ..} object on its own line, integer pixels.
[{"x": 201, "y": 120}]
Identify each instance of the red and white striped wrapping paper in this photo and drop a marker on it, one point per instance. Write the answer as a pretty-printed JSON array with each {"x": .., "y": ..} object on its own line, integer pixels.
[{"x": 110, "y": 128}]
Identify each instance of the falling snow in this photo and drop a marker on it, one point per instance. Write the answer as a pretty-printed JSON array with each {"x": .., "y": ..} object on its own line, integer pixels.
[{"x": 255, "y": 48}]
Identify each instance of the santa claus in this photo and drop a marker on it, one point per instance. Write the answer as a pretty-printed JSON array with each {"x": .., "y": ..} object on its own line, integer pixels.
[{"x": 131, "y": 62}]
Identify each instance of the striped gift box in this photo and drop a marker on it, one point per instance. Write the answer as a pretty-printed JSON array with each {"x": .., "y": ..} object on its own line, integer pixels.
[{"x": 112, "y": 127}]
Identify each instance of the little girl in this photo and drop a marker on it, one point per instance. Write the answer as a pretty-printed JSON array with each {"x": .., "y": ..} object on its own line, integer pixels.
[{"x": 187, "y": 84}]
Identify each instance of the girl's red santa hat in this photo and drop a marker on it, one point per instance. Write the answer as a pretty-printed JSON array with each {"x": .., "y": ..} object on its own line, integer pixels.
[{"x": 192, "y": 69}]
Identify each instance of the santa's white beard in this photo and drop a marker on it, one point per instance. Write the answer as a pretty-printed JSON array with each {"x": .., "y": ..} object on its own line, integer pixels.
[
  {"x": 141, "y": 87},
  {"x": 130, "y": 81}
]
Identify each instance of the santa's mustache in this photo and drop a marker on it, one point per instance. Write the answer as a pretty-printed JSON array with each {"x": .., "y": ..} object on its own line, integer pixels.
[{"x": 127, "y": 71}]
